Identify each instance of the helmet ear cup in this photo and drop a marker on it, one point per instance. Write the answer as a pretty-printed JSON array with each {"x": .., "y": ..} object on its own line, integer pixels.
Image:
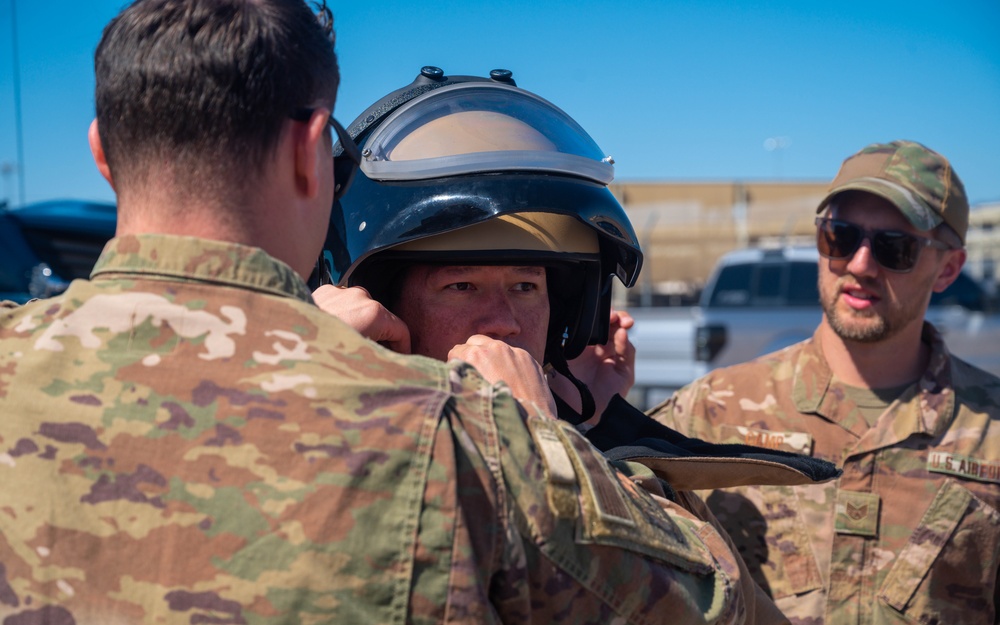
[
  {"x": 602, "y": 309},
  {"x": 574, "y": 309},
  {"x": 560, "y": 331},
  {"x": 337, "y": 243}
]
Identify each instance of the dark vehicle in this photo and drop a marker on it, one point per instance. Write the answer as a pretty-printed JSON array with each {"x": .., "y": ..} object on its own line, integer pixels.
[{"x": 45, "y": 246}]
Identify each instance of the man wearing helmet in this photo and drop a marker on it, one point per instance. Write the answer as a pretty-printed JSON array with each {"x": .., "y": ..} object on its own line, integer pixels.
[
  {"x": 465, "y": 171},
  {"x": 442, "y": 294},
  {"x": 481, "y": 228}
]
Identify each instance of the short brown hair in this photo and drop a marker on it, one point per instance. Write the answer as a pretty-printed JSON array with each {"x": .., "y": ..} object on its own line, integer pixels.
[{"x": 206, "y": 85}]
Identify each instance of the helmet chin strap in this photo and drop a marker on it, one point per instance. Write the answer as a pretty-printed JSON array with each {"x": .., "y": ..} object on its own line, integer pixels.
[{"x": 565, "y": 412}]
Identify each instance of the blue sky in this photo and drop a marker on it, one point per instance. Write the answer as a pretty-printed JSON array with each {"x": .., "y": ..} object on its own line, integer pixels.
[{"x": 675, "y": 91}]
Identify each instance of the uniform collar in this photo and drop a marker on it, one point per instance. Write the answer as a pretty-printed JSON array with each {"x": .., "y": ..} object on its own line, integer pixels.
[
  {"x": 816, "y": 391},
  {"x": 162, "y": 256}
]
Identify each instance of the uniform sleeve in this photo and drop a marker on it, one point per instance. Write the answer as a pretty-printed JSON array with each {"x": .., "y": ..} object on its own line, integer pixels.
[
  {"x": 684, "y": 411},
  {"x": 578, "y": 542},
  {"x": 760, "y": 609}
]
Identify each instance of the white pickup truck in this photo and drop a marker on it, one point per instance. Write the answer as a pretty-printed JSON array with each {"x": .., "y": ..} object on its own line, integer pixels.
[
  {"x": 664, "y": 352},
  {"x": 761, "y": 300}
]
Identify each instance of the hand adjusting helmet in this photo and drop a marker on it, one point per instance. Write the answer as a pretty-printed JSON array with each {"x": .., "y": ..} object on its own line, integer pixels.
[{"x": 476, "y": 171}]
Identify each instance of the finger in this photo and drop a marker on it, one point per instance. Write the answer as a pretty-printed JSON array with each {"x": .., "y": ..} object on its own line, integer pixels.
[
  {"x": 481, "y": 340},
  {"x": 352, "y": 305},
  {"x": 486, "y": 354},
  {"x": 395, "y": 335},
  {"x": 497, "y": 361},
  {"x": 620, "y": 319},
  {"x": 388, "y": 327},
  {"x": 625, "y": 320},
  {"x": 623, "y": 345}
]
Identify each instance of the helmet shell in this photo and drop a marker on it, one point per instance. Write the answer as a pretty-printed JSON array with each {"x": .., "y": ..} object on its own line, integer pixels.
[{"x": 448, "y": 153}]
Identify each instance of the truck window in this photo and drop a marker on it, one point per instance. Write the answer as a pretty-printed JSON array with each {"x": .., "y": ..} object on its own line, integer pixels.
[
  {"x": 732, "y": 287},
  {"x": 769, "y": 286},
  {"x": 70, "y": 254},
  {"x": 802, "y": 287},
  {"x": 964, "y": 292}
]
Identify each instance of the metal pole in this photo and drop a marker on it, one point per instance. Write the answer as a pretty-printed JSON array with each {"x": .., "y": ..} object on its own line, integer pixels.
[{"x": 17, "y": 102}]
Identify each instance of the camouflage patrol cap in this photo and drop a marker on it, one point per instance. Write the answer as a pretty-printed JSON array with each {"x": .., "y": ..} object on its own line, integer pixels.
[{"x": 917, "y": 180}]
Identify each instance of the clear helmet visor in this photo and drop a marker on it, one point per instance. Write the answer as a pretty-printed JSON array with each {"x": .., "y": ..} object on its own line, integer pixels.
[{"x": 481, "y": 127}]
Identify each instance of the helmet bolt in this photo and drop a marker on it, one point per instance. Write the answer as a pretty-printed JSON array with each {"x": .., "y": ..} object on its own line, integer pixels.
[
  {"x": 434, "y": 73},
  {"x": 502, "y": 75}
]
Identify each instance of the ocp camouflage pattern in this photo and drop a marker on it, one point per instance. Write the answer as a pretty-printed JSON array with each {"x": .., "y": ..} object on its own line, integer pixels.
[
  {"x": 917, "y": 180},
  {"x": 910, "y": 533},
  {"x": 186, "y": 438}
]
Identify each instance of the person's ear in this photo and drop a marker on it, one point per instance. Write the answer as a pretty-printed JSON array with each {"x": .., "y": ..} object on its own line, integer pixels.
[
  {"x": 310, "y": 143},
  {"x": 97, "y": 150},
  {"x": 954, "y": 260}
]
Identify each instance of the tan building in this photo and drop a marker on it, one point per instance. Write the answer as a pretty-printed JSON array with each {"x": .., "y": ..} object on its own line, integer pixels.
[{"x": 684, "y": 227}]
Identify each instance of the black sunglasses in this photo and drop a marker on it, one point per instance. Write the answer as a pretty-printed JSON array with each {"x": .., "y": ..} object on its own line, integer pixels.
[
  {"x": 894, "y": 250},
  {"x": 345, "y": 160}
]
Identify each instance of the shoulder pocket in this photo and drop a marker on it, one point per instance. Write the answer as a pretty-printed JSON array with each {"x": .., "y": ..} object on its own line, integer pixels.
[
  {"x": 611, "y": 509},
  {"x": 947, "y": 573}
]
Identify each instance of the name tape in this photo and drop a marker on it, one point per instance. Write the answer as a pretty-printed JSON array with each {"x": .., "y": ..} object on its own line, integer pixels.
[{"x": 963, "y": 466}]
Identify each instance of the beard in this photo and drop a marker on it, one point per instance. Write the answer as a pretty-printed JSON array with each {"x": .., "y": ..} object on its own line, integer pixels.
[
  {"x": 870, "y": 325},
  {"x": 877, "y": 328}
]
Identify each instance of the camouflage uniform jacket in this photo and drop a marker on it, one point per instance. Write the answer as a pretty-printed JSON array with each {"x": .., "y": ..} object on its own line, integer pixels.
[
  {"x": 910, "y": 533},
  {"x": 186, "y": 438}
]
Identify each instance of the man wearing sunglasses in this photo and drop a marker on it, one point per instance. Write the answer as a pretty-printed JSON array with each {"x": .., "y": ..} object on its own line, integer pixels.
[{"x": 911, "y": 531}]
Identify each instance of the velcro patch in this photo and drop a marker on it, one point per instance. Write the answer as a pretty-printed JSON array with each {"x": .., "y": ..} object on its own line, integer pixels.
[
  {"x": 554, "y": 453},
  {"x": 857, "y": 513},
  {"x": 607, "y": 497},
  {"x": 562, "y": 491},
  {"x": 964, "y": 466}
]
